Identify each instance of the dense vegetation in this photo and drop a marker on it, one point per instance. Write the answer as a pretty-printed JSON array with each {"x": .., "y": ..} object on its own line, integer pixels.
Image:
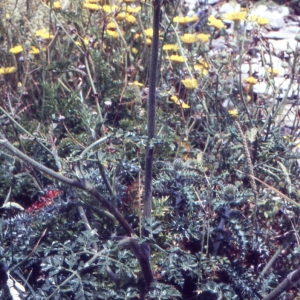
[{"x": 138, "y": 161}]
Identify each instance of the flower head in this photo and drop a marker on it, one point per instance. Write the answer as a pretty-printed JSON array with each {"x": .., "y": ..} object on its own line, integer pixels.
[
  {"x": 234, "y": 113},
  {"x": 7, "y": 70},
  {"x": 203, "y": 37},
  {"x": 136, "y": 83},
  {"x": 170, "y": 47},
  {"x": 92, "y": 6},
  {"x": 190, "y": 83},
  {"x": 274, "y": 71},
  {"x": 235, "y": 16},
  {"x": 56, "y": 5},
  {"x": 130, "y": 18},
  {"x": 185, "y": 20},
  {"x": 149, "y": 32},
  {"x": 179, "y": 102},
  {"x": 262, "y": 21},
  {"x": 133, "y": 10},
  {"x": 44, "y": 33},
  {"x": 212, "y": 21},
  {"x": 188, "y": 38},
  {"x": 251, "y": 80},
  {"x": 34, "y": 50},
  {"x": 109, "y": 8},
  {"x": 16, "y": 50},
  {"x": 112, "y": 33},
  {"x": 176, "y": 58}
]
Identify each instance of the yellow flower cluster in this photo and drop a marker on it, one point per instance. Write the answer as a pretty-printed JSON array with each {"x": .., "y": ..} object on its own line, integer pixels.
[{"x": 176, "y": 58}]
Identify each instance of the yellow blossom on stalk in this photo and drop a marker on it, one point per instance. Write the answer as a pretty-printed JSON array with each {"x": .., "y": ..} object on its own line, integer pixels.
[
  {"x": 251, "y": 80},
  {"x": 190, "y": 83},
  {"x": 136, "y": 83},
  {"x": 185, "y": 20},
  {"x": 235, "y": 16},
  {"x": 188, "y": 38},
  {"x": 212, "y": 21},
  {"x": 170, "y": 47},
  {"x": 148, "y": 42},
  {"x": 7, "y": 70},
  {"x": 149, "y": 32},
  {"x": 179, "y": 102},
  {"x": 109, "y": 9},
  {"x": 44, "y": 33},
  {"x": 262, "y": 21},
  {"x": 203, "y": 37},
  {"x": 234, "y": 113},
  {"x": 134, "y": 50},
  {"x": 16, "y": 50},
  {"x": 133, "y": 10},
  {"x": 274, "y": 71},
  {"x": 176, "y": 58},
  {"x": 130, "y": 18},
  {"x": 121, "y": 16},
  {"x": 111, "y": 25},
  {"x": 34, "y": 50},
  {"x": 92, "y": 6},
  {"x": 112, "y": 33}
]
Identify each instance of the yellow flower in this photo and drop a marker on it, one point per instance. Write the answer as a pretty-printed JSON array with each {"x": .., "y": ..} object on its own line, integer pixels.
[
  {"x": 56, "y": 5},
  {"x": 16, "y": 50},
  {"x": 7, "y": 70},
  {"x": 190, "y": 83},
  {"x": 212, "y": 21},
  {"x": 176, "y": 58},
  {"x": 179, "y": 102},
  {"x": 44, "y": 33},
  {"x": 112, "y": 33},
  {"x": 149, "y": 32},
  {"x": 148, "y": 42},
  {"x": 95, "y": 1},
  {"x": 252, "y": 18},
  {"x": 92, "y": 6},
  {"x": 185, "y": 20},
  {"x": 188, "y": 38},
  {"x": 274, "y": 71},
  {"x": 121, "y": 16},
  {"x": 130, "y": 19},
  {"x": 109, "y": 9},
  {"x": 34, "y": 50},
  {"x": 234, "y": 113},
  {"x": 170, "y": 47},
  {"x": 203, "y": 37},
  {"x": 133, "y": 10},
  {"x": 262, "y": 21},
  {"x": 235, "y": 16},
  {"x": 251, "y": 80},
  {"x": 111, "y": 25},
  {"x": 134, "y": 50},
  {"x": 136, "y": 83}
]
